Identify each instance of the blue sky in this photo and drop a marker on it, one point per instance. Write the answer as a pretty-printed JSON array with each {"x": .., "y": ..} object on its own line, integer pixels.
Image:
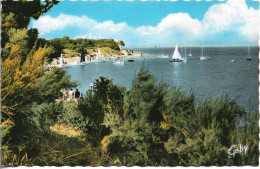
[{"x": 154, "y": 23}]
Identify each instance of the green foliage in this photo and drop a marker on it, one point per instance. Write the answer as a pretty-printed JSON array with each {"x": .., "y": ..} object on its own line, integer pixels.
[
  {"x": 57, "y": 48},
  {"x": 76, "y": 44},
  {"x": 149, "y": 125},
  {"x": 134, "y": 137},
  {"x": 120, "y": 127},
  {"x": 47, "y": 89},
  {"x": 71, "y": 115},
  {"x": 17, "y": 15},
  {"x": 187, "y": 135},
  {"x": 121, "y": 43},
  {"x": 145, "y": 99},
  {"x": 27, "y": 112},
  {"x": 20, "y": 37},
  {"x": 106, "y": 97}
]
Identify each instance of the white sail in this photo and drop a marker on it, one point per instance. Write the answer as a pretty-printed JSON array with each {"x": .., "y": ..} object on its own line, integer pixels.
[
  {"x": 190, "y": 54},
  {"x": 185, "y": 51},
  {"x": 202, "y": 57},
  {"x": 248, "y": 52},
  {"x": 98, "y": 55},
  {"x": 176, "y": 54},
  {"x": 61, "y": 60}
]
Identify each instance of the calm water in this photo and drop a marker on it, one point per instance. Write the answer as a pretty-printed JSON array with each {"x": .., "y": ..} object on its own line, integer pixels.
[{"x": 209, "y": 78}]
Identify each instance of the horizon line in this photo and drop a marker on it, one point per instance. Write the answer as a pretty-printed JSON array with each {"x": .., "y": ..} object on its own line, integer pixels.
[{"x": 196, "y": 46}]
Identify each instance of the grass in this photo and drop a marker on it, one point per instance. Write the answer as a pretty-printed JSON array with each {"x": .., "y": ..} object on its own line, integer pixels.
[
  {"x": 65, "y": 130},
  {"x": 106, "y": 49},
  {"x": 70, "y": 53}
]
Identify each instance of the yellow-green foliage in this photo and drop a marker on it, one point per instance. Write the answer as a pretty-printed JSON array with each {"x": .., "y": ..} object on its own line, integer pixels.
[
  {"x": 164, "y": 127},
  {"x": 149, "y": 125}
]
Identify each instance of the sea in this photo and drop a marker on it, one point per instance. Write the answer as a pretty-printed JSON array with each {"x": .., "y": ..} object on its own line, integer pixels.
[{"x": 227, "y": 72}]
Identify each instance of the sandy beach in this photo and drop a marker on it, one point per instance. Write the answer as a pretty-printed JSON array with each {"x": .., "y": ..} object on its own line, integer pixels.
[{"x": 92, "y": 57}]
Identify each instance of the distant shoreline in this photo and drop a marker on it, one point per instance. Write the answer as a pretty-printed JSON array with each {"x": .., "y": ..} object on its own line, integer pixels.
[{"x": 71, "y": 61}]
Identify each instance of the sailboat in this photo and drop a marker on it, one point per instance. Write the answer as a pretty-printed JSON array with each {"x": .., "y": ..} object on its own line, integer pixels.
[
  {"x": 98, "y": 55},
  {"x": 185, "y": 57},
  {"x": 190, "y": 54},
  {"x": 176, "y": 57},
  {"x": 248, "y": 54},
  {"x": 202, "y": 57},
  {"x": 61, "y": 61}
]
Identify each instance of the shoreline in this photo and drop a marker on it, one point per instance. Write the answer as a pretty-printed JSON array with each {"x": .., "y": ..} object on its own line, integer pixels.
[{"x": 72, "y": 61}]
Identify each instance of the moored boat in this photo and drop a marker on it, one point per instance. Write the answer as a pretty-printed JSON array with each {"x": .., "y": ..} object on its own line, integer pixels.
[
  {"x": 202, "y": 57},
  {"x": 176, "y": 57},
  {"x": 190, "y": 54},
  {"x": 163, "y": 56},
  {"x": 248, "y": 54},
  {"x": 118, "y": 62}
]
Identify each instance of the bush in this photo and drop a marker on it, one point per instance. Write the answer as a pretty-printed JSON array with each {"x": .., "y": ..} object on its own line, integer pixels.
[{"x": 71, "y": 115}]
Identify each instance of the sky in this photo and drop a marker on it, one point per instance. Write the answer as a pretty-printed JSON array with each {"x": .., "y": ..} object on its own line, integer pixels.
[{"x": 155, "y": 23}]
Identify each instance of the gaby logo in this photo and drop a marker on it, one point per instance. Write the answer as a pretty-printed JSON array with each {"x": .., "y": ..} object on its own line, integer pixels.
[{"x": 233, "y": 150}]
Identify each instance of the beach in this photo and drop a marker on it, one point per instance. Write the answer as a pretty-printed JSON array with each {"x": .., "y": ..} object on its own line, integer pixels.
[{"x": 92, "y": 57}]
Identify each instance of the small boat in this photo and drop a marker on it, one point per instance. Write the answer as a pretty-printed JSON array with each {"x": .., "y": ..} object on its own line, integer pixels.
[
  {"x": 176, "y": 57},
  {"x": 232, "y": 60},
  {"x": 130, "y": 60},
  {"x": 248, "y": 54},
  {"x": 163, "y": 56},
  {"x": 202, "y": 57},
  {"x": 118, "y": 62},
  {"x": 190, "y": 54}
]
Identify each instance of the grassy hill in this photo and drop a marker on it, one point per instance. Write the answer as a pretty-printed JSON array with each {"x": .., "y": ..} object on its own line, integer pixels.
[
  {"x": 104, "y": 50},
  {"x": 73, "y": 47}
]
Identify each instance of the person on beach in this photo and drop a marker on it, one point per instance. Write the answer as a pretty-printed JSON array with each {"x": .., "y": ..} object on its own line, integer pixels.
[
  {"x": 64, "y": 94},
  {"x": 77, "y": 94},
  {"x": 71, "y": 93}
]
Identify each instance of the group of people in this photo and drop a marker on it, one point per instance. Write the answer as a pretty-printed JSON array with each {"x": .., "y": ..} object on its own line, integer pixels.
[
  {"x": 71, "y": 95},
  {"x": 76, "y": 93}
]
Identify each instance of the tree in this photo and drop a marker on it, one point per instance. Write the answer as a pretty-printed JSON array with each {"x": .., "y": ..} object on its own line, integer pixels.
[
  {"x": 106, "y": 97},
  {"x": 135, "y": 137},
  {"x": 17, "y": 15},
  {"x": 25, "y": 85},
  {"x": 121, "y": 43},
  {"x": 145, "y": 97}
]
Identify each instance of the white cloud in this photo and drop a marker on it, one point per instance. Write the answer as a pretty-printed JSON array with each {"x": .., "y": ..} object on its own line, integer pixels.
[
  {"x": 232, "y": 16},
  {"x": 47, "y": 24},
  {"x": 181, "y": 22}
]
